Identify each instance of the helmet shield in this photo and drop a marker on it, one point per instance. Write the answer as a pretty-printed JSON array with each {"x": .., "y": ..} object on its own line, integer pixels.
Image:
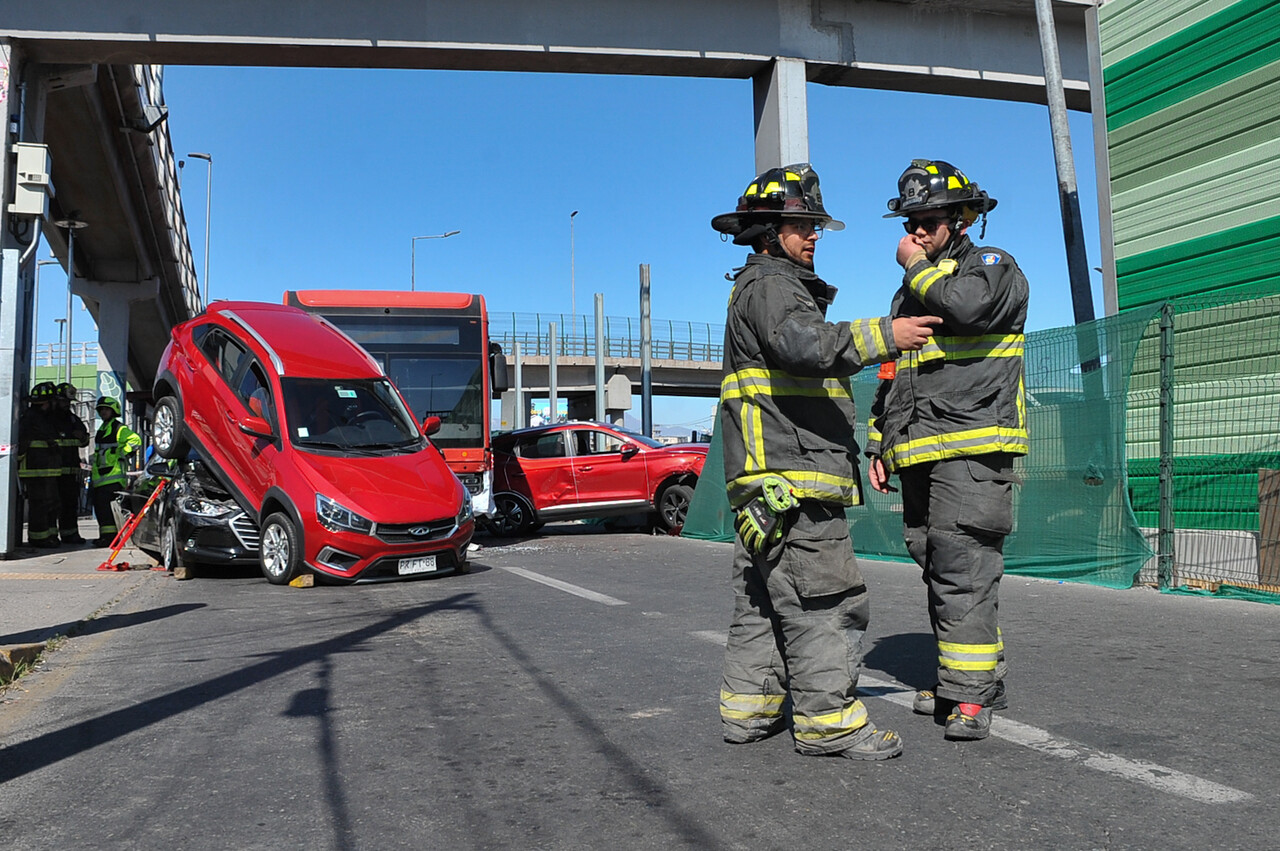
[
  {"x": 931, "y": 184},
  {"x": 789, "y": 192}
]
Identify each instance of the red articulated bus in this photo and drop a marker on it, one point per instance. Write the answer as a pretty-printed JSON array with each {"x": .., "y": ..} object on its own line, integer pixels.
[{"x": 435, "y": 348}]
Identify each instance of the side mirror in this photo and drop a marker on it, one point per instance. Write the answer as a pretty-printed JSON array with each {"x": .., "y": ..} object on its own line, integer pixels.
[
  {"x": 629, "y": 451},
  {"x": 256, "y": 427},
  {"x": 158, "y": 466},
  {"x": 498, "y": 370},
  {"x": 430, "y": 425}
]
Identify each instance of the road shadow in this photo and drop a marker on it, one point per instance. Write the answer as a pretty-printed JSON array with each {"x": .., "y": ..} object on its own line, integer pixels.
[
  {"x": 94, "y": 626},
  {"x": 25, "y": 757},
  {"x": 909, "y": 657}
]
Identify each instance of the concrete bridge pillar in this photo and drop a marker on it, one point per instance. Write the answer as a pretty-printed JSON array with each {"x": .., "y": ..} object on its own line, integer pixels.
[
  {"x": 782, "y": 115},
  {"x": 113, "y": 298}
]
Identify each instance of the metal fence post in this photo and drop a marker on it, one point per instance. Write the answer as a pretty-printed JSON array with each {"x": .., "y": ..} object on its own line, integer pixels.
[{"x": 1165, "y": 559}]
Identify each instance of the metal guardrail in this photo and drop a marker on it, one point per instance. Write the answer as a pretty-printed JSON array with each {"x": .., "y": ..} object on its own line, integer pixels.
[
  {"x": 672, "y": 339},
  {"x": 576, "y": 335},
  {"x": 55, "y": 354}
]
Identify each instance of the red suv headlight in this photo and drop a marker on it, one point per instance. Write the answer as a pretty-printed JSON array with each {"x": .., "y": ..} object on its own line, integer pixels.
[{"x": 338, "y": 518}]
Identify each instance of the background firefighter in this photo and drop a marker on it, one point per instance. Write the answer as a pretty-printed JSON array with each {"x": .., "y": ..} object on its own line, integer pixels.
[
  {"x": 801, "y": 606},
  {"x": 950, "y": 422},
  {"x": 40, "y": 465},
  {"x": 72, "y": 437}
]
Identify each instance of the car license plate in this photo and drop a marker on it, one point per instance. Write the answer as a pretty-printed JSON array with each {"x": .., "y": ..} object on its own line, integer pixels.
[{"x": 422, "y": 564}]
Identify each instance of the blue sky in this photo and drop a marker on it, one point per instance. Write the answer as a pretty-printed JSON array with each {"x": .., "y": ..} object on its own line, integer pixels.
[{"x": 322, "y": 177}]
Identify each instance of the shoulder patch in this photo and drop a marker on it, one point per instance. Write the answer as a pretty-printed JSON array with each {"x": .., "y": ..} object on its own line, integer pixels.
[{"x": 991, "y": 258}]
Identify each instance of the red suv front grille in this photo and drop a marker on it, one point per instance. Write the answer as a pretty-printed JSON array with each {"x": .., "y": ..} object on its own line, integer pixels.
[{"x": 412, "y": 533}]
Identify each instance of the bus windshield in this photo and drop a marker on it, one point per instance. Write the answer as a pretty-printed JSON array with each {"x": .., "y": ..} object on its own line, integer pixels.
[{"x": 437, "y": 363}]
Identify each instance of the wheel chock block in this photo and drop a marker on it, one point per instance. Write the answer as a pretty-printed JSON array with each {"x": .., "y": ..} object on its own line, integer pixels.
[{"x": 306, "y": 580}]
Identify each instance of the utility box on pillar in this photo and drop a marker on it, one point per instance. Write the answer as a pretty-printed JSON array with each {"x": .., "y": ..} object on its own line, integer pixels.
[{"x": 31, "y": 186}]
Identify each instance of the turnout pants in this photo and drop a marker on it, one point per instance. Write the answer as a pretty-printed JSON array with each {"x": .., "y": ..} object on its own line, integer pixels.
[
  {"x": 42, "y": 508},
  {"x": 800, "y": 612},
  {"x": 956, "y": 513},
  {"x": 103, "y": 496},
  {"x": 69, "y": 505}
]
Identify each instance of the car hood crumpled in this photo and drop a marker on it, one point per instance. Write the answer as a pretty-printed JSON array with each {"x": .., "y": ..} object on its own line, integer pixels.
[{"x": 392, "y": 489}]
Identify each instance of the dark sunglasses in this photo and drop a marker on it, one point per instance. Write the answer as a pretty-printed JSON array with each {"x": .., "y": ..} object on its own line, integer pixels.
[{"x": 929, "y": 225}]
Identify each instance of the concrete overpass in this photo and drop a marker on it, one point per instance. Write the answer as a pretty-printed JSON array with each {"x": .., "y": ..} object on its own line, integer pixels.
[{"x": 83, "y": 78}]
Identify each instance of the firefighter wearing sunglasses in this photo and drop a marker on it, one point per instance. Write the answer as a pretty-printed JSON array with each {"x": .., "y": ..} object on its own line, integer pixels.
[{"x": 950, "y": 419}]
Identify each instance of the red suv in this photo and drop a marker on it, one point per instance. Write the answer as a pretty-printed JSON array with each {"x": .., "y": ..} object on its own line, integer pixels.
[
  {"x": 311, "y": 439},
  {"x": 576, "y": 470}
]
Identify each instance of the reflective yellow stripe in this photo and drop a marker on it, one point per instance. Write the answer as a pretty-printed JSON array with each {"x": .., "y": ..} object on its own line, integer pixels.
[
  {"x": 868, "y": 339},
  {"x": 746, "y": 383},
  {"x": 804, "y": 484},
  {"x": 747, "y": 707},
  {"x": 842, "y": 722},
  {"x": 753, "y": 436},
  {"x": 968, "y": 348},
  {"x": 978, "y": 441},
  {"x": 968, "y": 657},
  {"x": 928, "y": 276}
]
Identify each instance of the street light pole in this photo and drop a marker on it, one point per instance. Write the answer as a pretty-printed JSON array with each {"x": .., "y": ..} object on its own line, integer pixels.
[
  {"x": 573, "y": 300},
  {"x": 61, "y": 323},
  {"x": 35, "y": 318},
  {"x": 208, "y": 208},
  {"x": 72, "y": 225},
  {"x": 413, "y": 255}
]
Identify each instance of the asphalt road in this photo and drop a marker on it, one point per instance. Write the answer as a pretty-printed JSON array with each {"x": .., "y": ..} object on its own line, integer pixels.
[{"x": 563, "y": 696}]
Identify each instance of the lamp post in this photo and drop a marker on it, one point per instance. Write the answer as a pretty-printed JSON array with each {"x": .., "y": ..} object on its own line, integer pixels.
[
  {"x": 72, "y": 225},
  {"x": 573, "y": 301},
  {"x": 61, "y": 323},
  {"x": 208, "y": 207},
  {"x": 35, "y": 316},
  {"x": 413, "y": 256}
]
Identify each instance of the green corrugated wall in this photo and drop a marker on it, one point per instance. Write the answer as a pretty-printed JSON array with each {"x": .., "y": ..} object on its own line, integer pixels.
[
  {"x": 1192, "y": 92},
  {"x": 1193, "y": 137}
]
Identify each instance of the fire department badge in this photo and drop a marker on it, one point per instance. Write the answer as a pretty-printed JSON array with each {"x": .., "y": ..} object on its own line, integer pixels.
[{"x": 990, "y": 258}]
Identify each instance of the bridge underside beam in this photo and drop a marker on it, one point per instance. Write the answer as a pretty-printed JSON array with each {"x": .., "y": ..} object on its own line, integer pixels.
[{"x": 981, "y": 48}]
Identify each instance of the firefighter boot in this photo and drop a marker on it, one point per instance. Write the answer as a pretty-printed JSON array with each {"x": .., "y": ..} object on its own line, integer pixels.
[
  {"x": 967, "y": 722},
  {"x": 926, "y": 702},
  {"x": 876, "y": 745}
]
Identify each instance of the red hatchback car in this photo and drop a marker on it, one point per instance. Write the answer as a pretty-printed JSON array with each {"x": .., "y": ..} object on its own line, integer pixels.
[
  {"x": 577, "y": 470},
  {"x": 311, "y": 439}
]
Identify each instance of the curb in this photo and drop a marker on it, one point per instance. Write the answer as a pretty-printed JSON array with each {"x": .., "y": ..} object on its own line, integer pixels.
[{"x": 19, "y": 654}]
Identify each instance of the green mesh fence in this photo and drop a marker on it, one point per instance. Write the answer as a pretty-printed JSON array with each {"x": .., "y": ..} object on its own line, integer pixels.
[{"x": 1072, "y": 515}]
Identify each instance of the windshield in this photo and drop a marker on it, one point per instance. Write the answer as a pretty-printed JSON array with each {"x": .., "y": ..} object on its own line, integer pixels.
[
  {"x": 438, "y": 364},
  {"x": 640, "y": 438},
  {"x": 357, "y": 414}
]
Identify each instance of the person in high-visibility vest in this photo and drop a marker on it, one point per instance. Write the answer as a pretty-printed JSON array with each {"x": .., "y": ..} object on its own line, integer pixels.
[
  {"x": 40, "y": 465},
  {"x": 113, "y": 443}
]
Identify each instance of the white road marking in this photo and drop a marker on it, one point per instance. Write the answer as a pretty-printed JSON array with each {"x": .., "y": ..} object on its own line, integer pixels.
[
  {"x": 1153, "y": 775},
  {"x": 576, "y": 590}
]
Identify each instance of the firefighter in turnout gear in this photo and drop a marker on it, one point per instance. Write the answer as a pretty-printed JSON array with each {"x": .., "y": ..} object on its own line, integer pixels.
[
  {"x": 113, "y": 443},
  {"x": 950, "y": 422},
  {"x": 72, "y": 437},
  {"x": 40, "y": 465},
  {"x": 801, "y": 606}
]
